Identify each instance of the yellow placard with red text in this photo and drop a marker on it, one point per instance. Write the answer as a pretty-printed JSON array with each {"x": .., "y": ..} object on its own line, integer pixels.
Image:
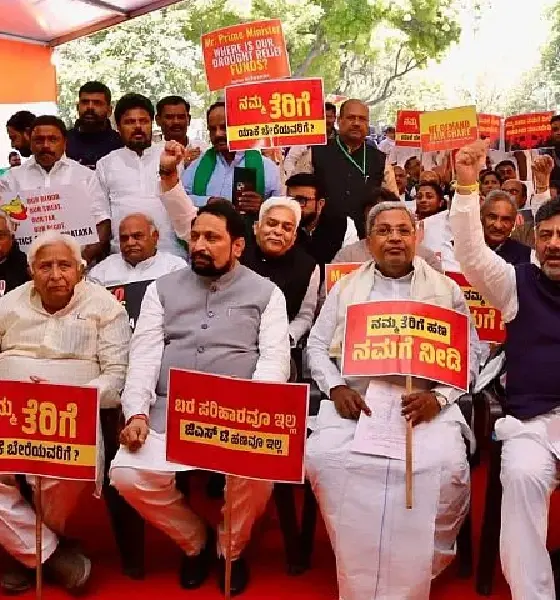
[
  {"x": 248, "y": 52},
  {"x": 250, "y": 429},
  {"x": 271, "y": 114},
  {"x": 487, "y": 319},
  {"x": 48, "y": 430},
  {"x": 448, "y": 129},
  {"x": 336, "y": 271},
  {"x": 407, "y": 338}
]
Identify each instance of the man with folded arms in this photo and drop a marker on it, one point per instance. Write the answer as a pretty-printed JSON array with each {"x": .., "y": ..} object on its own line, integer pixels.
[
  {"x": 529, "y": 298},
  {"x": 384, "y": 551},
  {"x": 217, "y": 317},
  {"x": 58, "y": 329}
]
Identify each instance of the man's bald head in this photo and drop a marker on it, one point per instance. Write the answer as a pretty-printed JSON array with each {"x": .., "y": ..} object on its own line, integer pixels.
[
  {"x": 353, "y": 123},
  {"x": 138, "y": 238}
]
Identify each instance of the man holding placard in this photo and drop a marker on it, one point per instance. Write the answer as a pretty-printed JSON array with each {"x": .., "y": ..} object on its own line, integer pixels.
[
  {"x": 211, "y": 177},
  {"x": 51, "y": 192},
  {"x": 226, "y": 320},
  {"x": 62, "y": 330},
  {"x": 383, "y": 550},
  {"x": 528, "y": 297}
]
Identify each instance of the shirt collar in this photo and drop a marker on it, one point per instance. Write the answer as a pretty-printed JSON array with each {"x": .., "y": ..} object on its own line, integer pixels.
[
  {"x": 62, "y": 162},
  {"x": 405, "y": 278},
  {"x": 141, "y": 265}
]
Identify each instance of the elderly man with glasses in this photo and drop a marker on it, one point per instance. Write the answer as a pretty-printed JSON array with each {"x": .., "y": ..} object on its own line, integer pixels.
[{"x": 382, "y": 550}]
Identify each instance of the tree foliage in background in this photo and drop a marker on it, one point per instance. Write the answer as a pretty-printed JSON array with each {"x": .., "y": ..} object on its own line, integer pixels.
[
  {"x": 361, "y": 48},
  {"x": 550, "y": 72}
]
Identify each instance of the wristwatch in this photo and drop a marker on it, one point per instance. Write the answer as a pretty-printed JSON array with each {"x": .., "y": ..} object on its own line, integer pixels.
[{"x": 442, "y": 400}]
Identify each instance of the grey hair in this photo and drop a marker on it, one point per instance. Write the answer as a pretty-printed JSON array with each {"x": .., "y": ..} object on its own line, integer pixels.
[
  {"x": 139, "y": 215},
  {"x": 54, "y": 237},
  {"x": 9, "y": 223},
  {"x": 384, "y": 206},
  {"x": 496, "y": 195}
]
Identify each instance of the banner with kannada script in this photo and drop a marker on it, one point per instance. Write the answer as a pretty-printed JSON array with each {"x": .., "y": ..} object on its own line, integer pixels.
[
  {"x": 448, "y": 129},
  {"x": 246, "y": 428},
  {"x": 64, "y": 209},
  {"x": 48, "y": 430},
  {"x": 489, "y": 128},
  {"x": 336, "y": 271},
  {"x": 487, "y": 319},
  {"x": 407, "y": 338},
  {"x": 130, "y": 295},
  {"x": 523, "y": 132},
  {"x": 271, "y": 114},
  {"x": 407, "y": 129},
  {"x": 248, "y": 52}
]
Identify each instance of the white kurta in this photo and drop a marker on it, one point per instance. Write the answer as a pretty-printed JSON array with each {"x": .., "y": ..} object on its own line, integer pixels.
[
  {"x": 132, "y": 185},
  {"x": 86, "y": 343},
  {"x": 384, "y": 551},
  {"x": 114, "y": 270},
  {"x": 531, "y": 448}
]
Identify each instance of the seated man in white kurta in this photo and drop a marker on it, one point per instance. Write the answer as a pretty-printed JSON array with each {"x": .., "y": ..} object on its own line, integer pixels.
[
  {"x": 384, "y": 551},
  {"x": 139, "y": 258},
  {"x": 217, "y": 317},
  {"x": 59, "y": 329}
]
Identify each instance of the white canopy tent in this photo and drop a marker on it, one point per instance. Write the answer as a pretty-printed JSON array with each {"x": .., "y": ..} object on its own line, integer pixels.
[{"x": 54, "y": 22}]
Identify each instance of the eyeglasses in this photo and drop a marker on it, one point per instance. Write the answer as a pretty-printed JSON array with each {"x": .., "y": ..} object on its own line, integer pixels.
[
  {"x": 303, "y": 200},
  {"x": 386, "y": 231}
]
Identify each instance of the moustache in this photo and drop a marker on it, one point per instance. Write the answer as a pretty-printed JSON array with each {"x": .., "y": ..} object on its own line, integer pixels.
[
  {"x": 200, "y": 255},
  {"x": 46, "y": 153},
  {"x": 220, "y": 140},
  {"x": 552, "y": 256}
]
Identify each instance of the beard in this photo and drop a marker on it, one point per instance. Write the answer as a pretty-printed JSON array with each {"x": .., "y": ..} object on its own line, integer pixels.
[
  {"x": 307, "y": 220},
  {"x": 25, "y": 151},
  {"x": 207, "y": 267}
]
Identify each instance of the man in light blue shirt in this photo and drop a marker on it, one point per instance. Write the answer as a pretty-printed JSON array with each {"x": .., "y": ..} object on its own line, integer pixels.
[{"x": 211, "y": 176}]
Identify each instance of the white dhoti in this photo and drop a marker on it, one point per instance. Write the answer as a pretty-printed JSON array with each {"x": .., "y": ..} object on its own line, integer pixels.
[
  {"x": 59, "y": 498},
  {"x": 530, "y": 455},
  {"x": 146, "y": 480},
  {"x": 384, "y": 551}
]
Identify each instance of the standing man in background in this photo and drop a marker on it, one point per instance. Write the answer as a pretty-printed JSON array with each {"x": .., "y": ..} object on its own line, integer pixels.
[
  {"x": 173, "y": 115},
  {"x": 129, "y": 176},
  {"x": 92, "y": 137},
  {"x": 19, "y": 131}
]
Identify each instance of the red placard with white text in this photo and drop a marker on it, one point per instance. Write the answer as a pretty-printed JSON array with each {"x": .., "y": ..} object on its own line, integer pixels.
[
  {"x": 248, "y": 52},
  {"x": 270, "y": 114},
  {"x": 407, "y": 338},
  {"x": 407, "y": 130},
  {"x": 487, "y": 319},
  {"x": 246, "y": 428},
  {"x": 48, "y": 430}
]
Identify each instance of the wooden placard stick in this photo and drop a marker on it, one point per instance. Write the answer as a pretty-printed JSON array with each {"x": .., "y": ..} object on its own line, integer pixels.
[
  {"x": 408, "y": 463},
  {"x": 227, "y": 527},
  {"x": 38, "y": 538}
]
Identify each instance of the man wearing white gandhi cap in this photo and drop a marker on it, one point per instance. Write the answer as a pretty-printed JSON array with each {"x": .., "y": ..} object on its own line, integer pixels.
[
  {"x": 59, "y": 329},
  {"x": 384, "y": 551}
]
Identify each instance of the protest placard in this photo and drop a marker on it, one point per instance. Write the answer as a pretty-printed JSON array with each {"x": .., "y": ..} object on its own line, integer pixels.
[
  {"x": 64, "y": 209},
  {"x": 336, "y": 271},
  {"x": 487, "y": 319},
  {"x": 523, "y": 132},
  {"x": 247, "y": 428},
  {"x": 248, "y": 52},
  {"x": 130, "y": 295},
  {"x": 407, "y": 130},
  {"x": 448, "y": 129},
  {"x": 407, "y": 338},
  {"x": 48, "y": 430},
  {"x": 489, "y": 128},
  {"x": 269, "y": 114}
]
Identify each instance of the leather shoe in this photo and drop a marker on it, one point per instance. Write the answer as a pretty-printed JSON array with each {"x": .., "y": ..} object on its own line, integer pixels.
[
  {"x": 17, "y": 580},
  {"x": 194, "y": 569},
  {"x": 239, "y": 576}
]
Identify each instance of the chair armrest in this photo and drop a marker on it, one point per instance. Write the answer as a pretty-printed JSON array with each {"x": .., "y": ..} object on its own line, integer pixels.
[{"x": 493, "y": 408}]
